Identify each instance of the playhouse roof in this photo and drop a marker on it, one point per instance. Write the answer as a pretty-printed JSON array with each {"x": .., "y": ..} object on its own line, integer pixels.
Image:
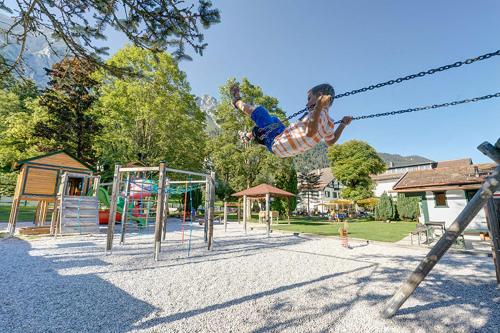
[{"x": 68, "y": 160}]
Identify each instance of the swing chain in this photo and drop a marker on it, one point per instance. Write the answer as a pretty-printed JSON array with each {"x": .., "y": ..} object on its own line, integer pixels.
[
  {"x": 421, "y": 74},
  {"x": 409, "y": 77},
  {"x": 428, "y": 107}
]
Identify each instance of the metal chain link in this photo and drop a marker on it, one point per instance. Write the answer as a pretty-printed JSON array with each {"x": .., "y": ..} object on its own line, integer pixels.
[
  {"x": 428, "y": 107},
  {"x": 409, "y": 77}
]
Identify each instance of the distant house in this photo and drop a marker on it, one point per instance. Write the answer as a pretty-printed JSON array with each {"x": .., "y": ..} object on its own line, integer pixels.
[
  {"x": 329, "y": 189},
  {"x": 445, "y": 189},
  {"x": 385, "y": 181}
]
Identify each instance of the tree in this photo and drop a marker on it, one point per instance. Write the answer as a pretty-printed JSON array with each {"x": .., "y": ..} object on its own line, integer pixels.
[
  {"x": 407, "y": 207},
  {"x": 149, "y": 24},
  {"x": 308, "y": 184},
  {"x": 68, "y": 101},
  {"x": 286, "y": 179},
  {"x": 150, "y": 118},
  {"x": 385, "y": 210},
  {"x": 352, "y": 164}
]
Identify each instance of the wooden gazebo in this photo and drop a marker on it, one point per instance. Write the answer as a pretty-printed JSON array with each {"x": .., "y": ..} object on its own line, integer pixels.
[{"x": 258, "y": 192}]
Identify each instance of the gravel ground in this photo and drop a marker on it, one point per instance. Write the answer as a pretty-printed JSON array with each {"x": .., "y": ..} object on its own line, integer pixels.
[{"x": 246, "y": 284}]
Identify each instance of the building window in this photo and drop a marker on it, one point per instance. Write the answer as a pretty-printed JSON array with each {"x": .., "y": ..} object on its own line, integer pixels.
[
  {"x": 327, "y": 194},
  {"x": 335, "y": 196},
  {"x": 440, "y": 198},
  {"x": 469, "y": 194}
]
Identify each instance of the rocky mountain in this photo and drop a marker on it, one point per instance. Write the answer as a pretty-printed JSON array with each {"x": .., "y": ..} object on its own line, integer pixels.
[
  {"x": 38, "y": 54},
  {"x": 316, "y": 158},
  {"x": 207, "y": 104}
]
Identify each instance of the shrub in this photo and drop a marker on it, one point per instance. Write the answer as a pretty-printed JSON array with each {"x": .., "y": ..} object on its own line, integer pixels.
[
  {"x": 408, "y": 207},
  {"x": 385, "y": 209}
]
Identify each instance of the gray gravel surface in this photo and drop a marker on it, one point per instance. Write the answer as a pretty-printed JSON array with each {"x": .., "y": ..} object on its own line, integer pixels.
[{"x": 246, "y": 284}]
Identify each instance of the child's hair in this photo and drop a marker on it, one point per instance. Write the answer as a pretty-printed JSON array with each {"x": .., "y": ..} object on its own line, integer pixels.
[
  {"x": 258, "y": 135},
  {"x": 325, "y": 89}
]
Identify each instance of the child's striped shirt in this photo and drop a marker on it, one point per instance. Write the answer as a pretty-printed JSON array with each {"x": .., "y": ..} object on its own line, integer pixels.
[{"x": 294, "y": 140}]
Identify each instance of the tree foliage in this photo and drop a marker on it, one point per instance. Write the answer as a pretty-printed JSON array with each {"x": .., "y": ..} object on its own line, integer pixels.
[
  {"x": 407, "y": 207},
  {"x": 81, "y": 24},
  {"x": 385, "y": 209},
  {"x": 68, "y": 101},
  {"x": 150, "y": 118},
  {"x": 352, "y": 164}
]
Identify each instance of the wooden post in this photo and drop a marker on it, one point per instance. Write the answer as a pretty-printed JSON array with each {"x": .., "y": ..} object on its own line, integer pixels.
[
  {"x": 238, "y": 209},
  {"x": 207, "y": 208},
  {"x": 43, "y": 212},
  {"x": 245, "y": 213},
  {"x": 267, "y": 215},
  {"x": 112, "y": 209},
  {"x": 60, "y": 199},
  {"x": 494, "y": 228},
  {"x": 491, "y": 184},
  {"x": 288, "y": 210},
  {"x": 160, "y": 206},
  {"x": 13, "y": 216},
  {"x": 225, "y": 216},
  {"x": 124, "y": 220},
  {"x": 211, "y": 211}
]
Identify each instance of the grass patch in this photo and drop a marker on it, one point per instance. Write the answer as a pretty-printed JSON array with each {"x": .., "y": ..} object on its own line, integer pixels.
[
  {"x": 371, "y": 230},
  {"x": 25, "y": 214}
]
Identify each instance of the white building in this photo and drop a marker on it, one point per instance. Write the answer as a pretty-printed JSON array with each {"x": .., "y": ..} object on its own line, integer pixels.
[
  {"x": 329, "y": 189},
  {"x": 385, "y": 181},
  {"x": 445, "y": 189}
]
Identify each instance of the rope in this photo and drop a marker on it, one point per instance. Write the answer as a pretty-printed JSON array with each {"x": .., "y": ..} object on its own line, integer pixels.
[
  {"x": 185, "y": 208},
  {"x": 408, "y": 77}
]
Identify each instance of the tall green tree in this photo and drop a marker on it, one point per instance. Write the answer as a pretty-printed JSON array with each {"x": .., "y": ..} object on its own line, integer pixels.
[
  {"x": 148, "y": 118},
  {"x": 352, "y": 164},
  {"x": 238, "y": 165},
  {"x": 407, "y": 207},
  {"x": 152, "y": 25},
  {"x": 68, "y": 100},
  {"x": 308, "y": 184},
  {"x": 385, "y": 209},
  {"x": 18, "y": 116}
]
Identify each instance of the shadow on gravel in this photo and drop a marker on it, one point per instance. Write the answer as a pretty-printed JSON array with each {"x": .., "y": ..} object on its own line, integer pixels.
[
  {"x": 35, "y": 298},
  {"x": 253, "y": 297}
]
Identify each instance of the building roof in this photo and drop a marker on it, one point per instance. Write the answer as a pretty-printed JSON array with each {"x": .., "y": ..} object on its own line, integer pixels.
[
  {"x": 456, "y": 175},
  {"x": 386, "y": 176},
  {"x": 463, "y": 162},
  {"x": 261, "y": 190},
  {"x": 17, "y": 165}
]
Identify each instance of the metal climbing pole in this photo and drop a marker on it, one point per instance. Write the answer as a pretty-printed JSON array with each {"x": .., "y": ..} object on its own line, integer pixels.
[{"x": 491, "y": 184}]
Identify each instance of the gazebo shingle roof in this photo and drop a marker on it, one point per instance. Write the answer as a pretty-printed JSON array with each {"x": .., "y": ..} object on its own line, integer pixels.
[{"x": 261, "y": 190}]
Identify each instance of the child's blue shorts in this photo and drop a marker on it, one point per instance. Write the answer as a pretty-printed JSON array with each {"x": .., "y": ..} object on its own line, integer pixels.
[{"x": 271, "y": 125}]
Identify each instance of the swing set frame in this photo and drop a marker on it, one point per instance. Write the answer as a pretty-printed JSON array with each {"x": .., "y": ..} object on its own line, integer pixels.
[{"x": 121, "y": 173}]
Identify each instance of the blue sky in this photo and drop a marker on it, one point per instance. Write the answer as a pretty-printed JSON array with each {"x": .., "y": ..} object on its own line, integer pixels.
[{"x": 287, "y": 46}]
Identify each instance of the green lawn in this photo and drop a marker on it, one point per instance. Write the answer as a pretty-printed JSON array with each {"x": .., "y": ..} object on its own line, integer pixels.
[
  {"x": 371, "y": 230},
  {"x": 26, "y": 213}
]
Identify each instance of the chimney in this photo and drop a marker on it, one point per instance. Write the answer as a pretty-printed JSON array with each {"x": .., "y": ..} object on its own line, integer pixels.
[{"x": 476, "y": 171}]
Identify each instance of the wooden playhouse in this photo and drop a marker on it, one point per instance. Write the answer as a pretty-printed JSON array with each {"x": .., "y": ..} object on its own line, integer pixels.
[{"x": 39, "y": 179}]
